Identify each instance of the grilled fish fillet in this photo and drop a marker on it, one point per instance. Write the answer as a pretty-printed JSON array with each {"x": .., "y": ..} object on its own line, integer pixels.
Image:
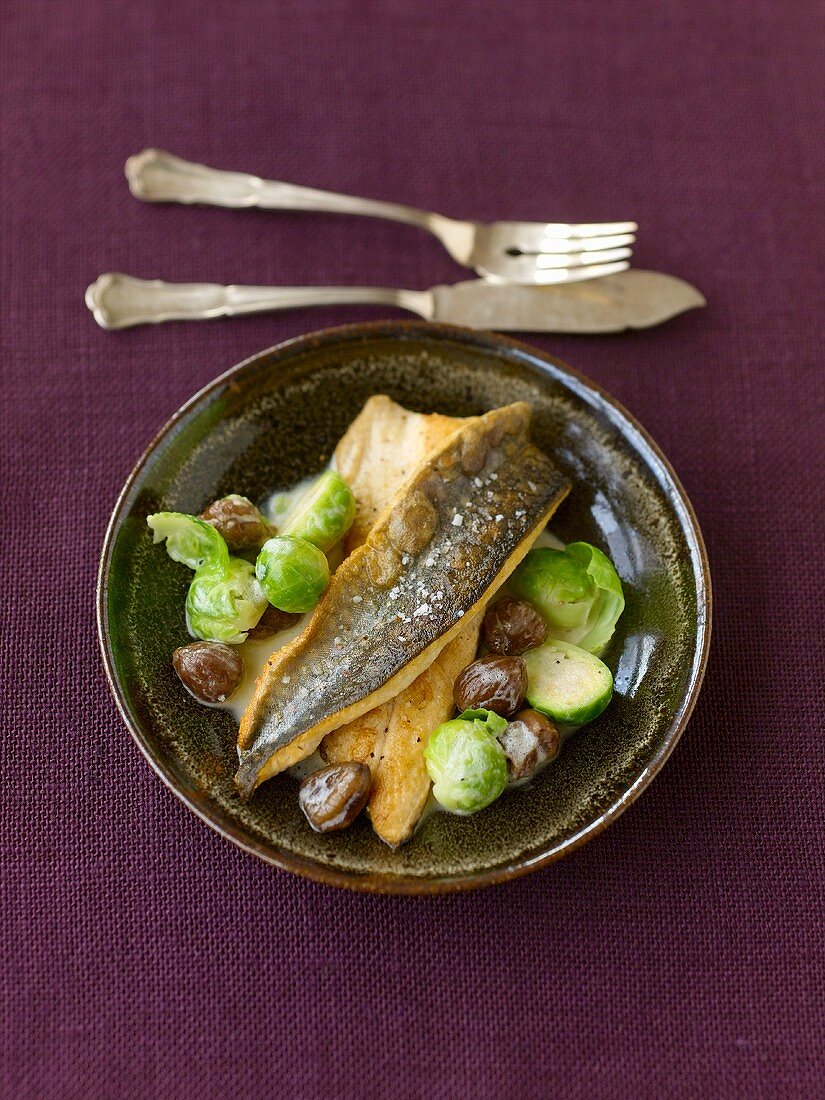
[{"x": 449, "y": 539}]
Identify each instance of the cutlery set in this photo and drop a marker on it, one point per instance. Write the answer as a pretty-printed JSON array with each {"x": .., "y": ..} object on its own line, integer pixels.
[{"x": 535, "y": 276}]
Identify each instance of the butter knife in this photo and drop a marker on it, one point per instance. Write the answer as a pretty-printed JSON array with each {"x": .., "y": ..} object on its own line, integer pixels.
[{"x": 631, "y": 299}]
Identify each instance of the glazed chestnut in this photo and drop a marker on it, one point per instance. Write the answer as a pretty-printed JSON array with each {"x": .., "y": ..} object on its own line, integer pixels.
[
  {"x": 492, "y": 683},
  {"x": 511, "y": 627},
  {"x": 333, "y": 797},
  {"x": 239, "y": 521},
  {"x": 211, "y": 671},
  {"x": 272, "y": 622},
  {"x": 529, "y": 740}
]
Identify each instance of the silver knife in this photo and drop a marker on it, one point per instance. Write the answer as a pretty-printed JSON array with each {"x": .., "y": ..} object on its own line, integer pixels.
[{"x": 631, "y": 299}]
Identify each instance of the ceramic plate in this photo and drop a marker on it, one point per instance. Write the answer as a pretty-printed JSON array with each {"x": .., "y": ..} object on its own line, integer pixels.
[{"x": 275, "y": 419}]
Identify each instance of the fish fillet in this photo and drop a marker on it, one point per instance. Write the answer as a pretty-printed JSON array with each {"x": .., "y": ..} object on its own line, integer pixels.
[
  {"x": 377, "y": 453},
  {"x": 383, "y": 446},
  {"x": 401, "y": 783},
  {"x": 379, "y": 450},
  {"x": 449, "y": 539}
]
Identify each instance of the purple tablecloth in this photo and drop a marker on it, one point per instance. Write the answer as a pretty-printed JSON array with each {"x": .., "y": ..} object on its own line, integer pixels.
[{"x": 676, "y": 956}]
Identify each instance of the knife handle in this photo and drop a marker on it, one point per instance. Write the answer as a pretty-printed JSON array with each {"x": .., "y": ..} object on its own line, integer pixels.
[{"x": 121, "y": 301}]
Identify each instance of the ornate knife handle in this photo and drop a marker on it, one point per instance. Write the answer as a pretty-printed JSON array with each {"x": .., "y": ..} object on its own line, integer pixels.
[{"x": 120, "y": 301}]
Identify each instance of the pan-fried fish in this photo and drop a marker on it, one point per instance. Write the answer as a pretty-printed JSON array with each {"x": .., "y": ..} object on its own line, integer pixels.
[
  {"x": 401, "y": 782},
  {"x": 450, "y": 538},
  {"x": 380, "y": 449},
  {"x": 383, "y": 446}
]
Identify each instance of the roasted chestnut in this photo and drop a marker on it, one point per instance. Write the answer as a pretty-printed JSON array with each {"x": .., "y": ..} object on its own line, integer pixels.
[
  {"x": 239, "y": 521},
  {"x": 333, "y": 797},
  {"x": 529, "y": 741},
  {"x": 511, "y": 627},
  {"x": 272, "y": 622},
  {"x": 492, "y": 683},
  {"x": 211, "y": 671}
]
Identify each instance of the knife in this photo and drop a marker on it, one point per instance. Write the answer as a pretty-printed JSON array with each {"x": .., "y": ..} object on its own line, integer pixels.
[{"x": 631, "y": 299}]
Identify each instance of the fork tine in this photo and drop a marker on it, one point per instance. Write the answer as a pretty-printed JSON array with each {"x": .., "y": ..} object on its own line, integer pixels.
[
  {"x": 570, "y": 246},
  {"x": 587, "y": 229},
  {"x": 546, "y": 260},
  {"x": 522, "y": 269},
  {"x": 528, "y": 237}
]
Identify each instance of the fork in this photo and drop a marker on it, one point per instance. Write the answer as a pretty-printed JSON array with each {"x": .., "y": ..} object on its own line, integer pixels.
[{"x": 504, "y": 252}]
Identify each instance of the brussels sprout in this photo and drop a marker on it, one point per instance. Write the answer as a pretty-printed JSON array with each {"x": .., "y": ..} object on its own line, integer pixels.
[
  {"x": 466, "y": 763},
  {"x": 492, "y": 722},
  {"x": 577, "y": 590},
  {"x": 189, "y": 540},
  {"x": 322, "y": 514},
  {"x": 224, "y": 603},
  {"x": 292, "y": 572},
  {"x": 567, "y": 683}
]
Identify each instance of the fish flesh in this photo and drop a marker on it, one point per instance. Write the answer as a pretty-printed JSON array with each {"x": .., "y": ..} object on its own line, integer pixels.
[
  {"x": 382, "y": 447},
  {"x": 448, "y": 540},
  {"x": 401, "y": 782}
]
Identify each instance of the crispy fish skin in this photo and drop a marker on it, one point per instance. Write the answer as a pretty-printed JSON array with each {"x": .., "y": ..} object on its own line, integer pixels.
[
  {"x": 401, "y": 782},
  {"x": 380, "y": 449},
  {"x": 450, "y": 538}
]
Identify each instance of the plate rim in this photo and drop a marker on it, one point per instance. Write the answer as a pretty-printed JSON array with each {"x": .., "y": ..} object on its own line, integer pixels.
[{"x": 382, "y": 882}]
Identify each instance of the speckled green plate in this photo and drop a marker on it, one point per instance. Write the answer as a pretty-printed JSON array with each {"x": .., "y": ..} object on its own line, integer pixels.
[{"x": 275, "y": 419}]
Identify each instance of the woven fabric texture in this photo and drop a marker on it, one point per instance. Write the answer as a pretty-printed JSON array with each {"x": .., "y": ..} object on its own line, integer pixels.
[{"x": 679, "y": 954}]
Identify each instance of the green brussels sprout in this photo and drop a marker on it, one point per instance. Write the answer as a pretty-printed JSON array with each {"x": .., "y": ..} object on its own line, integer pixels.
[
  {"x": 189, "y": 540},
  {"x": 466, "y": 763},
  {"x": 577, "y": 590},
  {"x": 488, "y": 718},
  {"x": 224, "y": 603},
  {"x": 292, "y": 572},
  {"x": 567, "y": 683},
  {"x": 322, "y": 514}
]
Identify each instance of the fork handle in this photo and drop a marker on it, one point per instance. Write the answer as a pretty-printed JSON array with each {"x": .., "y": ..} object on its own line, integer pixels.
[
  {"x": 157, "y": 176},
  {"x": 120, "y": 301}
]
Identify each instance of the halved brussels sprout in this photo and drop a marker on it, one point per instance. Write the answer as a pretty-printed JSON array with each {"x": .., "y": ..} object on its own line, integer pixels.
[
  {"x": 466, "y": 763},
  {"x": 224, "y": 603},
  {"x": 567, "y": 683},
  {"x": 577, "y": 590},
  {"x": 189, "y": 540},
  {"x": 322, "y": 514},
  {"x": 292, "y": 572}
]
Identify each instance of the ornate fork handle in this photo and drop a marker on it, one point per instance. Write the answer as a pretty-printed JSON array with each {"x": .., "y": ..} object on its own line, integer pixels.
[
  {"x": 120, "y": 301},
  {"x": 157, "y": 176}
]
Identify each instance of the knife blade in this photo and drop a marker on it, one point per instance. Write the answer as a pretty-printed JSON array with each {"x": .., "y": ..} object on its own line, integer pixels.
[{"x": 632, "y": 299}]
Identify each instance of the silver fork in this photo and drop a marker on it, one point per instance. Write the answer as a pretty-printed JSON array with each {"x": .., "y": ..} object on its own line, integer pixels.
[{"x": 505, "y": 252}]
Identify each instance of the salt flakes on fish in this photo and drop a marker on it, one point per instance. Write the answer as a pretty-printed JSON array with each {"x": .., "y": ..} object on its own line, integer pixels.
[{"x": 458, "y": 519}]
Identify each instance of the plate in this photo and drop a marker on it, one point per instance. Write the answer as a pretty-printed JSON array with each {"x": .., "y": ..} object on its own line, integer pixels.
[{"x": 275, "y": 419}]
